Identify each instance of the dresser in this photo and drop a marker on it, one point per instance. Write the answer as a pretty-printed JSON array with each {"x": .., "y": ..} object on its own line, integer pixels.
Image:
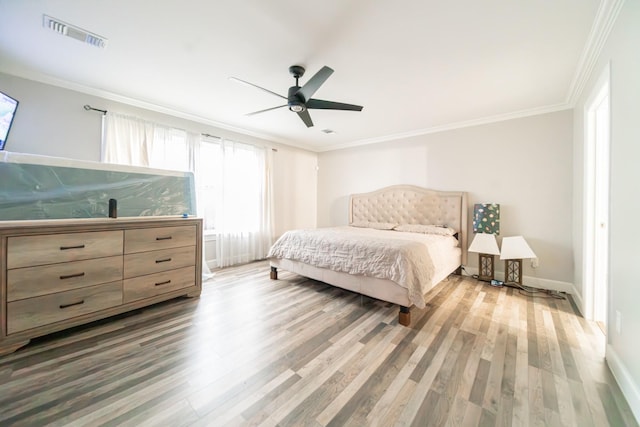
[{"x": 58, "y": 274}]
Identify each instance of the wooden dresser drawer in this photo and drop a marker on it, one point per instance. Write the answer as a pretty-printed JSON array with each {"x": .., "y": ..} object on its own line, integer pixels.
[
  {"x": 30, "y": 282},
  {"x": 44, "y": 310},
  {"x": 150, "y": 239},
  {"x": 27, "y": 251},
  {"x": 60, "y": 273},
  {"x": 142, "y": 263},
  {"x": 159, "y": 283}
]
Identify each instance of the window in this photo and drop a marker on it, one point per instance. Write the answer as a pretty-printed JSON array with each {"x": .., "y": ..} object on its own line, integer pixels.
[{"x": 231, "y": 178}]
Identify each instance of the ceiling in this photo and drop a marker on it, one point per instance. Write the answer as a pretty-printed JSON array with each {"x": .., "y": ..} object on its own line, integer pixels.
[{"x": 417, "y": 66}]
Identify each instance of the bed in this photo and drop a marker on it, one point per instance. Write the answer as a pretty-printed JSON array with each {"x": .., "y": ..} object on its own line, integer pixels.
[{"x": 401, "y": 241}]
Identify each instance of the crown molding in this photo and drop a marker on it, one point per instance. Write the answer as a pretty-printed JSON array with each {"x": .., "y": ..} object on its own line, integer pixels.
[
  {"x": 606, "y": 16},
  {"x": 451, "y": 126},
  {"x": 607, "y": 13},
  {"x": 77, "y": 87}
]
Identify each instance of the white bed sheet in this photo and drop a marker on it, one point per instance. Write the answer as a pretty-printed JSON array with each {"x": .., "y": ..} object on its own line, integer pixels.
[{"x": 412, "y": 260}]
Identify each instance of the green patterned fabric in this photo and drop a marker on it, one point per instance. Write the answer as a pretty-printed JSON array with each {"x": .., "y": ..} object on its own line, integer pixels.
[{"x": 486, "y": 218}]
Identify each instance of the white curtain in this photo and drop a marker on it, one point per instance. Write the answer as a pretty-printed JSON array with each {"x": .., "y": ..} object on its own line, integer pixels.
[
  {"x": 233, "y": 184},
  {"x": 243, "y": 217},
  {"x": 126, "y": 140}
]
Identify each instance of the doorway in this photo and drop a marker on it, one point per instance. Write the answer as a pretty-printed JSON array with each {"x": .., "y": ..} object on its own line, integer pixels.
[{"x": 597, "y": 147}]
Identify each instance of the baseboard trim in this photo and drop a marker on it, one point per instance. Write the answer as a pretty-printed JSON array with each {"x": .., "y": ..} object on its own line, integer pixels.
[
  {"x": 577, "y": 298},
  {"x": 553, "y": 285},
  {"x": 629, "y": 388},
  {"x": 534, "y": 282}
]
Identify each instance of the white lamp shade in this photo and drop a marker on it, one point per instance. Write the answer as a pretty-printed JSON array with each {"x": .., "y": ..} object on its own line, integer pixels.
[
  {"x": 516, "y": 248},
  {"x": 485, "y": 244}
]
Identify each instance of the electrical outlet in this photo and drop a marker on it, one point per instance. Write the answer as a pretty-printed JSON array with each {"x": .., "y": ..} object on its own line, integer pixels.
[
  {"x": 618, "y": 321},
  {"x": 535, "y": 263}
]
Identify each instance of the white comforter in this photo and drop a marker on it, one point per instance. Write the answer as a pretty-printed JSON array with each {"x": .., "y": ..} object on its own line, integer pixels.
[{"x": 405, "y": 258}]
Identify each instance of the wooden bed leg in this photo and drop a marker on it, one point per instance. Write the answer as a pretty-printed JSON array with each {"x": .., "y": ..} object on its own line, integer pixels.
[
  {"x": 404, "y": 317},
  {"x": 274, "y": 273}
]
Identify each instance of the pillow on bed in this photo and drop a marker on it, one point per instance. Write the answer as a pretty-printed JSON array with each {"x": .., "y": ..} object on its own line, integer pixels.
[
  {"x": 376, "y": 225},
  {"x": 440, "y": 230}
]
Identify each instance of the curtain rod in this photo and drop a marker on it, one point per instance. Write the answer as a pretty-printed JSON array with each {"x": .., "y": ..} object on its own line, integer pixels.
[
  {"x": 208, "y": 135},
  {"x": 90, "y": 108}
]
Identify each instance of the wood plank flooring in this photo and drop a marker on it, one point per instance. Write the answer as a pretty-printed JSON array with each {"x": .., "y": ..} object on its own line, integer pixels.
[{"x": 296, "y": 352}]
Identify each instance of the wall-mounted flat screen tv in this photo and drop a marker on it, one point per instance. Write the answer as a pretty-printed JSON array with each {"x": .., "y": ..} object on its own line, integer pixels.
[{"x": 8, "y": 107}]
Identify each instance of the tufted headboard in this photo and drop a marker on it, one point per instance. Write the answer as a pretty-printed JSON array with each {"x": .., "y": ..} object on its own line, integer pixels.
[{"x": 409, "y": 204}]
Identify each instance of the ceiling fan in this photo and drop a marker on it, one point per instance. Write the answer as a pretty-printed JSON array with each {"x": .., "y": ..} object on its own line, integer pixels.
[{"x": 299, "y": 98}]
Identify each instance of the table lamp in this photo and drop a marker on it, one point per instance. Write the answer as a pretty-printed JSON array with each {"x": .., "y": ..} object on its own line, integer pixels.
[
  {"x": 514, "y": 250},
  {"x": 486, "y": 224}
]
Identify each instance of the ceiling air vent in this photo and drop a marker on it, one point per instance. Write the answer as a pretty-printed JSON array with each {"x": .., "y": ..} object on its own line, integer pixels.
[{"x": 72, "y": 31}]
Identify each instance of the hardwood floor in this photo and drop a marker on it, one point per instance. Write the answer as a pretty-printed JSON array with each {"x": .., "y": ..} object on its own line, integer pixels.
[{"x": 295, "y": 352}]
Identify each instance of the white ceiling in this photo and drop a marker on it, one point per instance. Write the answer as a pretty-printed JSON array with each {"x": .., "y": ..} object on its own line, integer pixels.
[{"x": 416, "y": 66}]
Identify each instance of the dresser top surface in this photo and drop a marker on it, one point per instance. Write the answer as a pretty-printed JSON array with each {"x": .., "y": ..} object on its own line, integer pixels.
[{"x": 98, "y": 222}]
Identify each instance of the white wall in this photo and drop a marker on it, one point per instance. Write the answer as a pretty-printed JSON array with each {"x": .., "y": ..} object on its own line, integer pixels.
[
  {"x": 296, "y": 175},
  {"x": 51, "y": 121},
  {"x": 621, "y": 52},
  {"x": 523, "y": 164}
]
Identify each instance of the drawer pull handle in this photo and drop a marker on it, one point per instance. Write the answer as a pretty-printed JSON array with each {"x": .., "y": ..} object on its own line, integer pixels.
[
  {"x": 158, "y": 261},
  {"x": 72, "y": 304},
  {"x": 70, "y": 276},
  {"x": 164, "y": 238},
  {"x": 64, "y": 248},
  {"x": 166, "y": 282}
]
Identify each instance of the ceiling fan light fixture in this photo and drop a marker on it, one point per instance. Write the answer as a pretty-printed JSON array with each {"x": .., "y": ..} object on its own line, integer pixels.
[{"x": 299, "y": 99}]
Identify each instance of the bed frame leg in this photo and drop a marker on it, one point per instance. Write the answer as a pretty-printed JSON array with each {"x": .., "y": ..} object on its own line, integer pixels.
[
  {"x": 274, "y": 273},
  {"x": 404, "y": 317}
]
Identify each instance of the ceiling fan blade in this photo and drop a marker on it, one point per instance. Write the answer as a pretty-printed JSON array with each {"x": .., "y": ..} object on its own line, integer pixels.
[
  {"x": 306, "y": 118},
  {"x": 315, "y": 82},
  {"x": 262, "y": 111},
  {"x": 235, "y": 79},
  {"x": 319, "y": 104}
]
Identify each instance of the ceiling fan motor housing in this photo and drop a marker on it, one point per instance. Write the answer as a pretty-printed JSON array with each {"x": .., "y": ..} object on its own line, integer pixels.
[
  {"x": 295, "y": 101},
  {"x": 299, "y": 99}
]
